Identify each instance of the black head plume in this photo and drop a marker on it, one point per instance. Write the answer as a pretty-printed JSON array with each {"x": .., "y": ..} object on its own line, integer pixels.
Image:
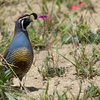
[{"x": 34, "y": 14}]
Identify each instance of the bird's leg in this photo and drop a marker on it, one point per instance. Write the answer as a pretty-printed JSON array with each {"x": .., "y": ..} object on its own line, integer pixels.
[
  {"x": 22, "y": 87},
  {"x": 24, "y": 81}
]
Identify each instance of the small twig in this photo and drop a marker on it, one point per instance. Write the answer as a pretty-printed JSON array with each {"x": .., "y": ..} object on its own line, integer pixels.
[{"x": 9, "y": 65}]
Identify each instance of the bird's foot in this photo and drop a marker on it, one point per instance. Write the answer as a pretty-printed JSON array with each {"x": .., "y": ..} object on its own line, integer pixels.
[{"x": 22, "y": 88}]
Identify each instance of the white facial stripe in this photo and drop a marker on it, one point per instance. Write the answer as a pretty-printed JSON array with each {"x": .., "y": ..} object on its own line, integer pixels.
[
  {"x": 23, "y": 18},
  {"x": 21, "y": 21},
  {"x": 23, "y": 25}
]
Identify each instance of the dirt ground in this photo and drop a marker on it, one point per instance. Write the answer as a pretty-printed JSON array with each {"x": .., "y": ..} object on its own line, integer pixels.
[
  {"x": 34, "y": 79},
  {"x": 67, "y": 81}
]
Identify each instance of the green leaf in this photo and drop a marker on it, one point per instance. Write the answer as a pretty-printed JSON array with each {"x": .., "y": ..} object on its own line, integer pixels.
[
  {"x": 66, "y": 39},
  {"x": 66, "y": 15},
  {"x": 9, "y": 96},
  {"x": 1, "y": 82},
  {"x": 43, "y": 1},
  {"x": 7, "y": 72},
  {"x": 75, "y": 14}
]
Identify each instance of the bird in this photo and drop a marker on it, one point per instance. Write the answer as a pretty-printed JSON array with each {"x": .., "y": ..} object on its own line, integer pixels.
[{"x": 20, "y": 52}]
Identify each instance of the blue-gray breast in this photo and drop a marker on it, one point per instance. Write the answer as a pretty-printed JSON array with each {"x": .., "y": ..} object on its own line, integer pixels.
[{"x": 20, "y": 52}]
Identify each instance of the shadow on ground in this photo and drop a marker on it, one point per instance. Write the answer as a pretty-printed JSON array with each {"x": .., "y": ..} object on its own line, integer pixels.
[{"x": 31, "y": 89}]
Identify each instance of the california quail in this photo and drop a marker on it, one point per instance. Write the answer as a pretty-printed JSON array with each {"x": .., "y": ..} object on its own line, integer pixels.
[{"x": 20, "y": 52}]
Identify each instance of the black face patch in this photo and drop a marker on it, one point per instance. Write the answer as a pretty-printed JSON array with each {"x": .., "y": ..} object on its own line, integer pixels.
[{"x": 25, "y": 22}]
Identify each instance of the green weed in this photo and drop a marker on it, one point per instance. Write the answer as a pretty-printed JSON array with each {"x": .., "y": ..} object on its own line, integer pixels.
[
  {"x": 50, "y": 68},
  {"x": 91, "y": 92},
  {"x": 77, "y": 32}
]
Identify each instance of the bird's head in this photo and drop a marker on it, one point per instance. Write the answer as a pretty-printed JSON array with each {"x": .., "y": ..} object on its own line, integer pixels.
[{"x": 24, "y": 21}]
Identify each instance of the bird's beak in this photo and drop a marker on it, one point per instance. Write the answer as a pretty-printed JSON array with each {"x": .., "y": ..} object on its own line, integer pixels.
[{"x": 31, "y": 20}]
